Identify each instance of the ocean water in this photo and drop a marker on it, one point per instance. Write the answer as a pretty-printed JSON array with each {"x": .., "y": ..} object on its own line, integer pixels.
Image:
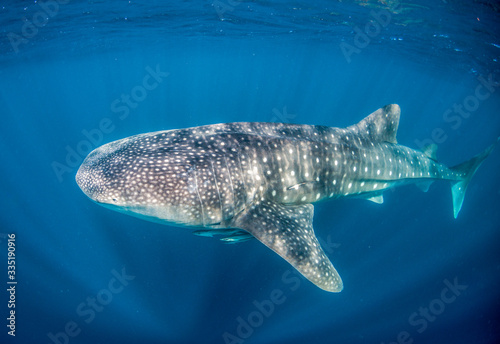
[{"x": 75, "y": 75}]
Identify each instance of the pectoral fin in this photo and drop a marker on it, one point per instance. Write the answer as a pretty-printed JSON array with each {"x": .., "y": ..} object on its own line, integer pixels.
[{"x": 288, "y": 231}]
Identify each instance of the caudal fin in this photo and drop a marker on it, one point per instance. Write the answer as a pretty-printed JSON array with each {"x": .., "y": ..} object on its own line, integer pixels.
[{"x": 467, "y": 169}]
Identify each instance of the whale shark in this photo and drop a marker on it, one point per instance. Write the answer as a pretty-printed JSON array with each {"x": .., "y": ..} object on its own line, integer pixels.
[{"x": 259, "y": 180}]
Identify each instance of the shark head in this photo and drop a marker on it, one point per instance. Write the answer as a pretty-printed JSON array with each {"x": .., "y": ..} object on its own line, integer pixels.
[
  {"x": 102, "y": 177},
  {"x": 139, "y": 177}
]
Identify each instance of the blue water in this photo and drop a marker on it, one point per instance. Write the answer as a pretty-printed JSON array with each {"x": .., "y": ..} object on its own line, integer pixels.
[{"x": 93, "y": 72}]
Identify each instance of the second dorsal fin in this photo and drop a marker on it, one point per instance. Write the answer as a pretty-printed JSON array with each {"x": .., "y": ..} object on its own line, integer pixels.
[{"x": 430, "y": 151}]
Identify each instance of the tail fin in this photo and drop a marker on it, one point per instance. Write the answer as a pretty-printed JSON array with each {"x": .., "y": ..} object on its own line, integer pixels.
[{"x": 467, "y": 169}]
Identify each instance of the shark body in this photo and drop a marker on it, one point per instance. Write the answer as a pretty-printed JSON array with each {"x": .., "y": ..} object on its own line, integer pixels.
[{"x": 244, "y": 180}]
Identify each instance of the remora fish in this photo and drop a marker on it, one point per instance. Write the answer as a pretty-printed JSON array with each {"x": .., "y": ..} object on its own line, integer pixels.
[{"x": 244, "y": 180}]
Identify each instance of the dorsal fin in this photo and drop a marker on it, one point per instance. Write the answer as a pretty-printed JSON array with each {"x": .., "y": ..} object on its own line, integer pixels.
[
  {"x": 430, "y": 151},
  {"x": 381, "y": 125}
]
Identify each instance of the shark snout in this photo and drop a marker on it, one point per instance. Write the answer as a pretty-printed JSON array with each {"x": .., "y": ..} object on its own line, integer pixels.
[
  {"x": 88, "y": 180},
  {"x": 103, "y": 177},
  {"x": 92, "y": 176}
]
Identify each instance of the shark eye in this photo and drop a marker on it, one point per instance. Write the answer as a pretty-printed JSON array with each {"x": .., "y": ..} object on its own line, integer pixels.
[{"x": 114, "y": 199}]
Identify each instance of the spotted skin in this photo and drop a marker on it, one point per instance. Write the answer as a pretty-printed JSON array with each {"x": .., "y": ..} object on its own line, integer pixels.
[{"x": 244, "y": 180}]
